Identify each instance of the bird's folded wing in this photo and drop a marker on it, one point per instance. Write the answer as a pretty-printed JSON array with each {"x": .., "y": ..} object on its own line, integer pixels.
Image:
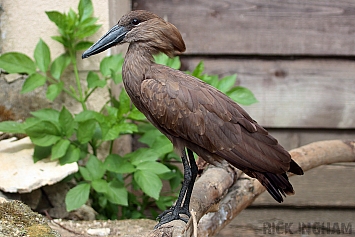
[{"x": 188, "y": 108}]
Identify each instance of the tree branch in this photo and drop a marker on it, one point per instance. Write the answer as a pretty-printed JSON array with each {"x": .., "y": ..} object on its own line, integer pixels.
[{"x": 224, "y": 193}]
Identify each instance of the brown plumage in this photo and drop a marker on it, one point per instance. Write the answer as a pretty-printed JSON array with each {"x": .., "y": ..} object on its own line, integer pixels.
[{"x": 192, "y": 114}]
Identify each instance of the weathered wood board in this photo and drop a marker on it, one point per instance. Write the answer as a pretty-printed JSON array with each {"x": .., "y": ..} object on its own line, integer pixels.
[
  {"x": 291, "y": 222},
  {"x": 299, "y": 27},
  {"x": 302, "y": 93},
  {"x": 328, "y": 186},
  {"x": 293, "y": 138}
]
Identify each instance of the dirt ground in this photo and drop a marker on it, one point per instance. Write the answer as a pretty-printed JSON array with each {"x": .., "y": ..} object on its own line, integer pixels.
[
  {"x": 122, "y": 228},
  {"x": 252, "y": 222}
]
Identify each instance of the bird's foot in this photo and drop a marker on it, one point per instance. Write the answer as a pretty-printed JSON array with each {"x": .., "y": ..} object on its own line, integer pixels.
[
  {"x": 173, "y": 214},
  {"x": 182, "y": 210}
]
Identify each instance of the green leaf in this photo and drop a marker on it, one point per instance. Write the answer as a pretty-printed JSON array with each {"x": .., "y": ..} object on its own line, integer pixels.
[
  {"x": 148, "y": 182},
  {"x": 41, "y": 152},
  {"x": 32, "y": 82},
  {"x": 85, "y": 173},
  {"x": 47, "y": 115},
  {"x": 174, "y": 62},
  {"x": 88, "y": 22},
  {"x": 29, "y": 122},
  {"x": 125, "y": 104},
  {"x": 197, "y": 72},
  {"x": 42, "y": 56},
  {"x": 88, "y": 115},
  {"x": 126, "y": 128},
  {"x": 54, "y": 90},
  {"x": 93, "y": 80},
  {"x": 100, "y": 185},
  {"x": 103, "y": 203},
  {"x": 141, "y": 155},
  {"x": 71, "y": 18},
  {"x": 161, "y": 58},
  {"x": 176, "y": 179},
  {"x": 109, "y": 134},
  {"x": 66, "y": 121},
  {"x": 12, "y": 127},
  {"x": 86, "y": 130},
  {"x": 135, "y": 114},
  {"x": 58, "y": 18},
  {"x": 83, "y": 45},
  {"x": 117, "y": 193},
  {"x": 165, "y": 202},
  {"x": 162, "y": 145},
  {"x": 154, "y": 167},
  {"x": 14, "y": 62},
  {"x": 116, "y": 77},
  {"x": 85, "y": 9},
  {"x": 113, "y": 62},
  {"x": 120, "y": 128},
  {"x": 165, "y": 60},
  {"x": 210, "y": 79},
  {"x": 72, "y": 155},
  {"x": 44, "y": 140},
  {"x": 242, "y": 95},
  {"x": 43, "y": 133},
  {"x": 117, "y": 164},
  {"x": 112, "y": 111},
  {"x": 150, "y": 135},
  {"x": 61, "y": 40},
  {"x": 95, "y": 167},
  {"x": 77, "y": 196},
  {"x": 59, "y": 149},
  {"x": 87, "y": 31},
  {"x": 227, "y": 83},
  {"x": 59, "y": 65}
]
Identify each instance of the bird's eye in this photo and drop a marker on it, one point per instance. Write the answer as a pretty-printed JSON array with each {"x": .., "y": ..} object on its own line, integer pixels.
[{"x": 135, "y": 21}]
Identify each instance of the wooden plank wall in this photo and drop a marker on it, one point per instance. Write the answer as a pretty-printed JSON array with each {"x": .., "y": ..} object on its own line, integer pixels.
[
  {"x": 248, "y": 27},
  {"x": 298, "y": 57}
]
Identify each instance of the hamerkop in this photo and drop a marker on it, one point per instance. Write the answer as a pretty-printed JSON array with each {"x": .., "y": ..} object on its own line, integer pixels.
[{"x": 192, "y": 114}]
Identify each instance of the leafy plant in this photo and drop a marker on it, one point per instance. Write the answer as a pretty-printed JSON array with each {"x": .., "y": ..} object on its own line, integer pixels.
[{"x": 112, "y": 181}]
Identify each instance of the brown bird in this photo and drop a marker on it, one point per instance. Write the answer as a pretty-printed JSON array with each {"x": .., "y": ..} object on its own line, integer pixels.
[{"x": 192, "y": 114}]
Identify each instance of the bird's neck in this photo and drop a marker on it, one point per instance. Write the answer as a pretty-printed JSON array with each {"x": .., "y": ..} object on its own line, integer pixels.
[{"x": 138, "y": 61}]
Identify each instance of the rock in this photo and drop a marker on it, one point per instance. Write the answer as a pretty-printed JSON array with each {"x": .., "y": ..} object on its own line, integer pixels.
[
  {"x": 55, "y": 194},
  {"x": 12, "y": 77},
  {"x": 32, "y": 199},
  {"x": 99, "y": 231},
  {"x": 83, "y": 213},
  {"x": 17, "y": 219},
  {"x": 122, "y": 228},
  {"x": 18, "y": 172}
]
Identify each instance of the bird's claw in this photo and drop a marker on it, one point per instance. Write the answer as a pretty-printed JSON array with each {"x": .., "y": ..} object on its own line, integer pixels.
[
  {"x": 173, "y": 214},
  {"x": 182, "y": 210}
]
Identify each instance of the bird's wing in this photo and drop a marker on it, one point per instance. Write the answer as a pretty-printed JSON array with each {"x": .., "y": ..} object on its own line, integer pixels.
[{"x": 186, "y": 107}]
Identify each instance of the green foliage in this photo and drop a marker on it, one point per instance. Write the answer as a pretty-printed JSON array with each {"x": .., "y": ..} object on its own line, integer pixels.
[
  {"x": 226, "y": 84},
  {"x": 17, "y": 63},
  {"x": 77, "y": 196},
  {"x": 113, "y": 180}
]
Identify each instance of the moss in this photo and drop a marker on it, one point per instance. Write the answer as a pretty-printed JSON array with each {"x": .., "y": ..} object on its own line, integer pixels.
[{"x": 17, "y": 219}]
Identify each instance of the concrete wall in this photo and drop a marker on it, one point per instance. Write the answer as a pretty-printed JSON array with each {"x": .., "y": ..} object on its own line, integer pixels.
[{"x": 23, "y": 23}]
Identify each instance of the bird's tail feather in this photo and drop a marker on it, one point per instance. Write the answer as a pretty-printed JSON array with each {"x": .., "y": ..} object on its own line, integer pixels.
[
  {"x": 295, "y": 168},
  {"x": 277, "y": 185}
]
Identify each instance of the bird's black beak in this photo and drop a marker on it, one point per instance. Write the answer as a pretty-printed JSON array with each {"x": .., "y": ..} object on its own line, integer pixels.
[{"x": 111, "y": 38}]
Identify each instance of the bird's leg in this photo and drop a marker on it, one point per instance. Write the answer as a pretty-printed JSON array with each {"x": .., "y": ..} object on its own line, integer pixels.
[
  {"x": 194, "y": 172},
  {"x": 182, "y": 204}
]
